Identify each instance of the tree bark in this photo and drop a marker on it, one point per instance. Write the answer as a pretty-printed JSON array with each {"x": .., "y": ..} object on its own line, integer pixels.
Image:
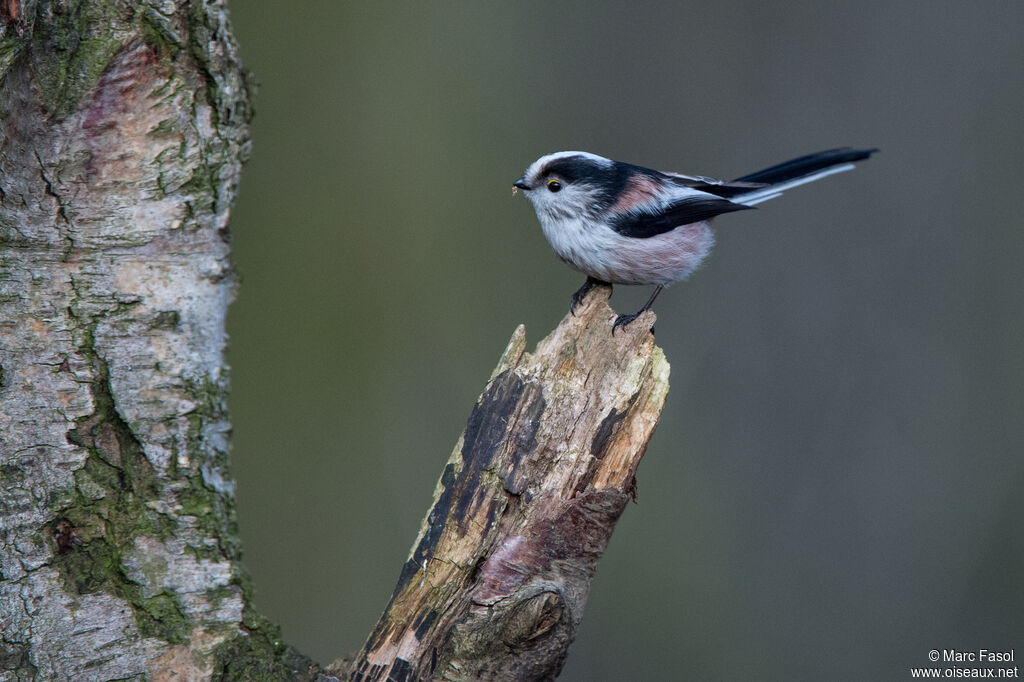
[
  {"x": 496, "y": 582},
  {"x": 123, "y": 126}
]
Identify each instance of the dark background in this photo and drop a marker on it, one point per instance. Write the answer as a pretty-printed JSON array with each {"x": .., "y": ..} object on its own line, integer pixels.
[{"x": 835, "y": 486}]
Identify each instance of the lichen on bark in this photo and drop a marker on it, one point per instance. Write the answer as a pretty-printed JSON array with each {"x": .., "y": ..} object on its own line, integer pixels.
[{"x": 123, "y": 127}]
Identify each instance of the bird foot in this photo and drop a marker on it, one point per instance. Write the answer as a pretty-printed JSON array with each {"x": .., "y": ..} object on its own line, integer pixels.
[
  {"x": 623, "y": 320},
  {"x": 581, "y": 293}
]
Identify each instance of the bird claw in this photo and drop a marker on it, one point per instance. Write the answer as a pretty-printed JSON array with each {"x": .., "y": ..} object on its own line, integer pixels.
[
  {"x": 581, "y": 294},
  {"x": 577, "y": 299},
  {"x": 622, "y": 321}
]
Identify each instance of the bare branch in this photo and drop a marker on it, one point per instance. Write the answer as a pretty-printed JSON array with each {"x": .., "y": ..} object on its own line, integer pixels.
[{"x": 495, "y": 586}]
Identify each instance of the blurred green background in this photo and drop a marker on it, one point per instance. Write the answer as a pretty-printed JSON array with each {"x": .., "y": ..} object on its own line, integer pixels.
[{"x": 835, "y": 486}]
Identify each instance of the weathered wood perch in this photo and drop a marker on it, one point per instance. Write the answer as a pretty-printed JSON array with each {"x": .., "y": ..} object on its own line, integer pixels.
[
  {"x": 123, "y": 126},
  {"x": 496, "y": 582}
]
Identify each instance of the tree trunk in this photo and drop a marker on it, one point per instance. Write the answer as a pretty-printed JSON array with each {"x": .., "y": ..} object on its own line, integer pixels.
[
  {"x": 496, "y": 582},
  {"x": 123, "y": 126}
]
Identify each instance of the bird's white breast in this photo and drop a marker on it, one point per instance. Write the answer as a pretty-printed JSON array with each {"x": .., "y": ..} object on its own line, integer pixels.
[{"x": 598, "y": 251}]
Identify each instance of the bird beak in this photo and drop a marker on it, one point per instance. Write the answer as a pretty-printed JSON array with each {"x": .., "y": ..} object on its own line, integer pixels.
[{"x": 520, "y": 184}]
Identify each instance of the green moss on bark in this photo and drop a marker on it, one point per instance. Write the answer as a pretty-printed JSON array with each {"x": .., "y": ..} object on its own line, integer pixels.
[
  {"x": 118, "y": 496},
  {"x": 158, "y": 31},
  {"x": 258, "y": 654},
  {"x": 109, "y": 508},
  {"x": 10, "y": 48},
  {"x": 95, "y": 566},
  {"x": 70, "y": 49},
  {"x": 202, "y": 494}
]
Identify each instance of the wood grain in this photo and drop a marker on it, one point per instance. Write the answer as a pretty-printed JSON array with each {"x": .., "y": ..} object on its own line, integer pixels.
[{"x": 496, "y": 583}]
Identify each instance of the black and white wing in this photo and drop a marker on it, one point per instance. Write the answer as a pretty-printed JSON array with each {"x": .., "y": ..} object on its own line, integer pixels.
[
  {"x": 721, "y": 188},
  {"x": 647, "y": 220}
]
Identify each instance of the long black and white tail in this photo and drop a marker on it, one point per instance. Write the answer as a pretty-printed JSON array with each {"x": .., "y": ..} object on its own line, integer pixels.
[{"x": 799, "y": 171}]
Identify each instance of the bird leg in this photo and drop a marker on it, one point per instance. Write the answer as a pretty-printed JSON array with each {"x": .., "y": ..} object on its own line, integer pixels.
[
  {"x": 582, "y": 292},
  {"x": 623, "y": 320}
]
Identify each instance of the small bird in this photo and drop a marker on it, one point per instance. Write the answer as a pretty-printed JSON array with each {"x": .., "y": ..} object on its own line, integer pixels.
[{"x": 623, "y": 224}]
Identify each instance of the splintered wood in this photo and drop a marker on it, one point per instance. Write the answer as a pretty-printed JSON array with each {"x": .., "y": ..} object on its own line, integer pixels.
[{"x": 495, "y": 586}]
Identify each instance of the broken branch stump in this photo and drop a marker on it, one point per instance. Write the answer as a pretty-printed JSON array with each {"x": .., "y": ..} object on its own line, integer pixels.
[{"x": 496, "y": 582}]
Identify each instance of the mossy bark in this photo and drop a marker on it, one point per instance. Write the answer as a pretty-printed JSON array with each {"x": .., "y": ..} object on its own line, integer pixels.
[{"x": 123, "y": 127}]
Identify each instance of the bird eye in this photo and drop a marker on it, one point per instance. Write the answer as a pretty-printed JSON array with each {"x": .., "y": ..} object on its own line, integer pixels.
[{"x": 554, "y": 185}]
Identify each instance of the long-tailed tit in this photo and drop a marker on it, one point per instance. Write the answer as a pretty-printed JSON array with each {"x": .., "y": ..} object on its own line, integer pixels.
[{"x": 623, "y": 224}]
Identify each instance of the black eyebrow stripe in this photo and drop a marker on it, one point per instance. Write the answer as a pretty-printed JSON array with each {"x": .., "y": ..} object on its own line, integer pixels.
[
  {"x": 682, "y": 212},
  {"x": 577, "y": 169},
  {"x": 608, "y": 179}
]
